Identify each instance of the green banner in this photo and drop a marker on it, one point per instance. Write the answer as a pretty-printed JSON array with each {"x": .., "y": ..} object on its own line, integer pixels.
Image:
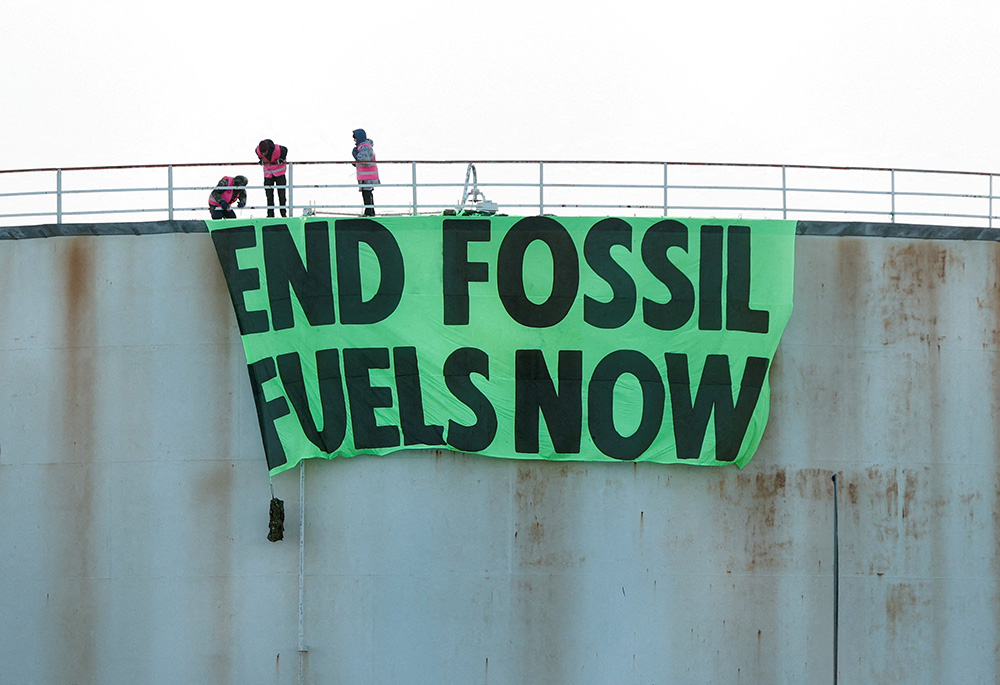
[{"x": 595, "y": 339}]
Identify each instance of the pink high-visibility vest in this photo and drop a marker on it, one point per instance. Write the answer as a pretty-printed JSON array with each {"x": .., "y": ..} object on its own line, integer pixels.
[
  {"x": 271, "y": 167},
  {"x": 367, "y": 171},
  {"x": 227, "y": 195}
]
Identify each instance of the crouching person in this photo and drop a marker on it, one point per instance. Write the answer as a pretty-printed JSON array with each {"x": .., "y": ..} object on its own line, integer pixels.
[{"x": 231, "y": 190}]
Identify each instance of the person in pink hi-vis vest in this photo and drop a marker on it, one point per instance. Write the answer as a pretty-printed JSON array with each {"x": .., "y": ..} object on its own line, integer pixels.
[
  {"x": 231, "y": 190},
  {"x": 366, "y": 169},
  {"x": 273, "y": 158}
]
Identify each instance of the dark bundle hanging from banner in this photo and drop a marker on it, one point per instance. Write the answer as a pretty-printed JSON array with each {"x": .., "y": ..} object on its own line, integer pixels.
[{"x": 276, "y": 526}]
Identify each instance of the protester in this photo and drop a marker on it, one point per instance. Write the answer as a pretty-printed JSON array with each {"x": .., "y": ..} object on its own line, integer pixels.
[
  {"x": 367, "y": 171},
  {"x": 272, "y": 157},
  {"x": 230, "y": 189}
]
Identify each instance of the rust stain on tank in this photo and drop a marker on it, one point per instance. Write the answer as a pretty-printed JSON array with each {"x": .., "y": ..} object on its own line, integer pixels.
[
  {"x": 891, "y": 496},
  {"x": 852, "y": 493},
  {"x": 911, "y": 527},
  {"x": 529, "y": 496},
  {"x": 768, "y": 486},
  {"x": 916, "y": 265},
  {"x": 76, "y": 554},
  {"x": 529, "y": 489},
  {"x": 872, "y": 505},
  {"x": 901, "y": 603},
  {"x": 899, "y": 599},
  {"x": 533, "y": 480},
  {"x": 854, "y": 276},
  {"x": 814, "y": 484},
  {"x": 914, "y": 272},
  {"x": 218, "y": 482},
  {"x": 78, "y": 278},
  {"x": 79, "y": 362},
  {"x": 767, "y": 493},
  {"x": 536, "y": 532},
  {"x": 523, "y": 473}
]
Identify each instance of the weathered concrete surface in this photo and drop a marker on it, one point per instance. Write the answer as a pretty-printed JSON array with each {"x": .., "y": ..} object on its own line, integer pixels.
[{"x": 134, "y": 502}]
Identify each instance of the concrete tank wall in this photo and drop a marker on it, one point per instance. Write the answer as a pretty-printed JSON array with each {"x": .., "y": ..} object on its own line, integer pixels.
[{"x": 134, "y": 502}]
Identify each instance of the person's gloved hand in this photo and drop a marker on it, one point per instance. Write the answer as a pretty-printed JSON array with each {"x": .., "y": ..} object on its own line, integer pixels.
[
  {"x": 224, "y": 206},
  {"x": 241, "y": 204}
]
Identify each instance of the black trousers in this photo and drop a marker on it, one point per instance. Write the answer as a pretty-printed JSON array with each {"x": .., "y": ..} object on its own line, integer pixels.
[
  {"x": 368, "y": 197},
  {"x": 269, "y": 192},
  {"x": 220, "y": 213}
]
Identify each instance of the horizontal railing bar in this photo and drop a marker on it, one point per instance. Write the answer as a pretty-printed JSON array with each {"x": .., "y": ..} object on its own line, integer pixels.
[
  {"x": 28, "y": 193},
  {"x": 943, "y": 214},
  {"x": 116, "y": 211},
  {"x": 739, "y": 165},
  {"x": 966, "y": 196},
  {"x": 639, "y": 186},
  {"x": 898, "y": 193}
]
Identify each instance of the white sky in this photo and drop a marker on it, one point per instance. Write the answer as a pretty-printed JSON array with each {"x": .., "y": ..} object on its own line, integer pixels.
[{"x": 903, "y": 84}]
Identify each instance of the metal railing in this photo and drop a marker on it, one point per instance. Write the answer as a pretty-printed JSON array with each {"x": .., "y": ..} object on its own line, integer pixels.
[{"x": 593, "y": 188}]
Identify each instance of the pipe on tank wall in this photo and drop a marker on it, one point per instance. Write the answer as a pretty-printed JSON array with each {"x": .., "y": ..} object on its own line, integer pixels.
[{"x": 302, "y": 570}]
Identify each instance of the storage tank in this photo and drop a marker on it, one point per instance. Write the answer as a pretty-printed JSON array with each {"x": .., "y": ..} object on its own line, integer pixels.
[{"x": 135, "y": 498}]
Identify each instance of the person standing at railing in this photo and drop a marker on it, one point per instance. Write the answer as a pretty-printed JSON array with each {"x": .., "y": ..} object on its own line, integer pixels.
[
  {"x": 366, "y": 169},
  {"x": 230, "y": 189},
  {"x": 272, "y": 157}
]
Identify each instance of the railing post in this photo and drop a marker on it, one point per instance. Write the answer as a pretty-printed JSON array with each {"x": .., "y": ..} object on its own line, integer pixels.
[
  {"x": 59, "y": 197},
  {"x": 892, "y": 194},
  {"x": 665, "y": 186},
  {"x": 541, "y": 188},
  {"x": 413, "y": 177},
  {"x": 170, "y": 192},
  {"x": 784, "y": 194},
  {"x": 291, "y": 211}
]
